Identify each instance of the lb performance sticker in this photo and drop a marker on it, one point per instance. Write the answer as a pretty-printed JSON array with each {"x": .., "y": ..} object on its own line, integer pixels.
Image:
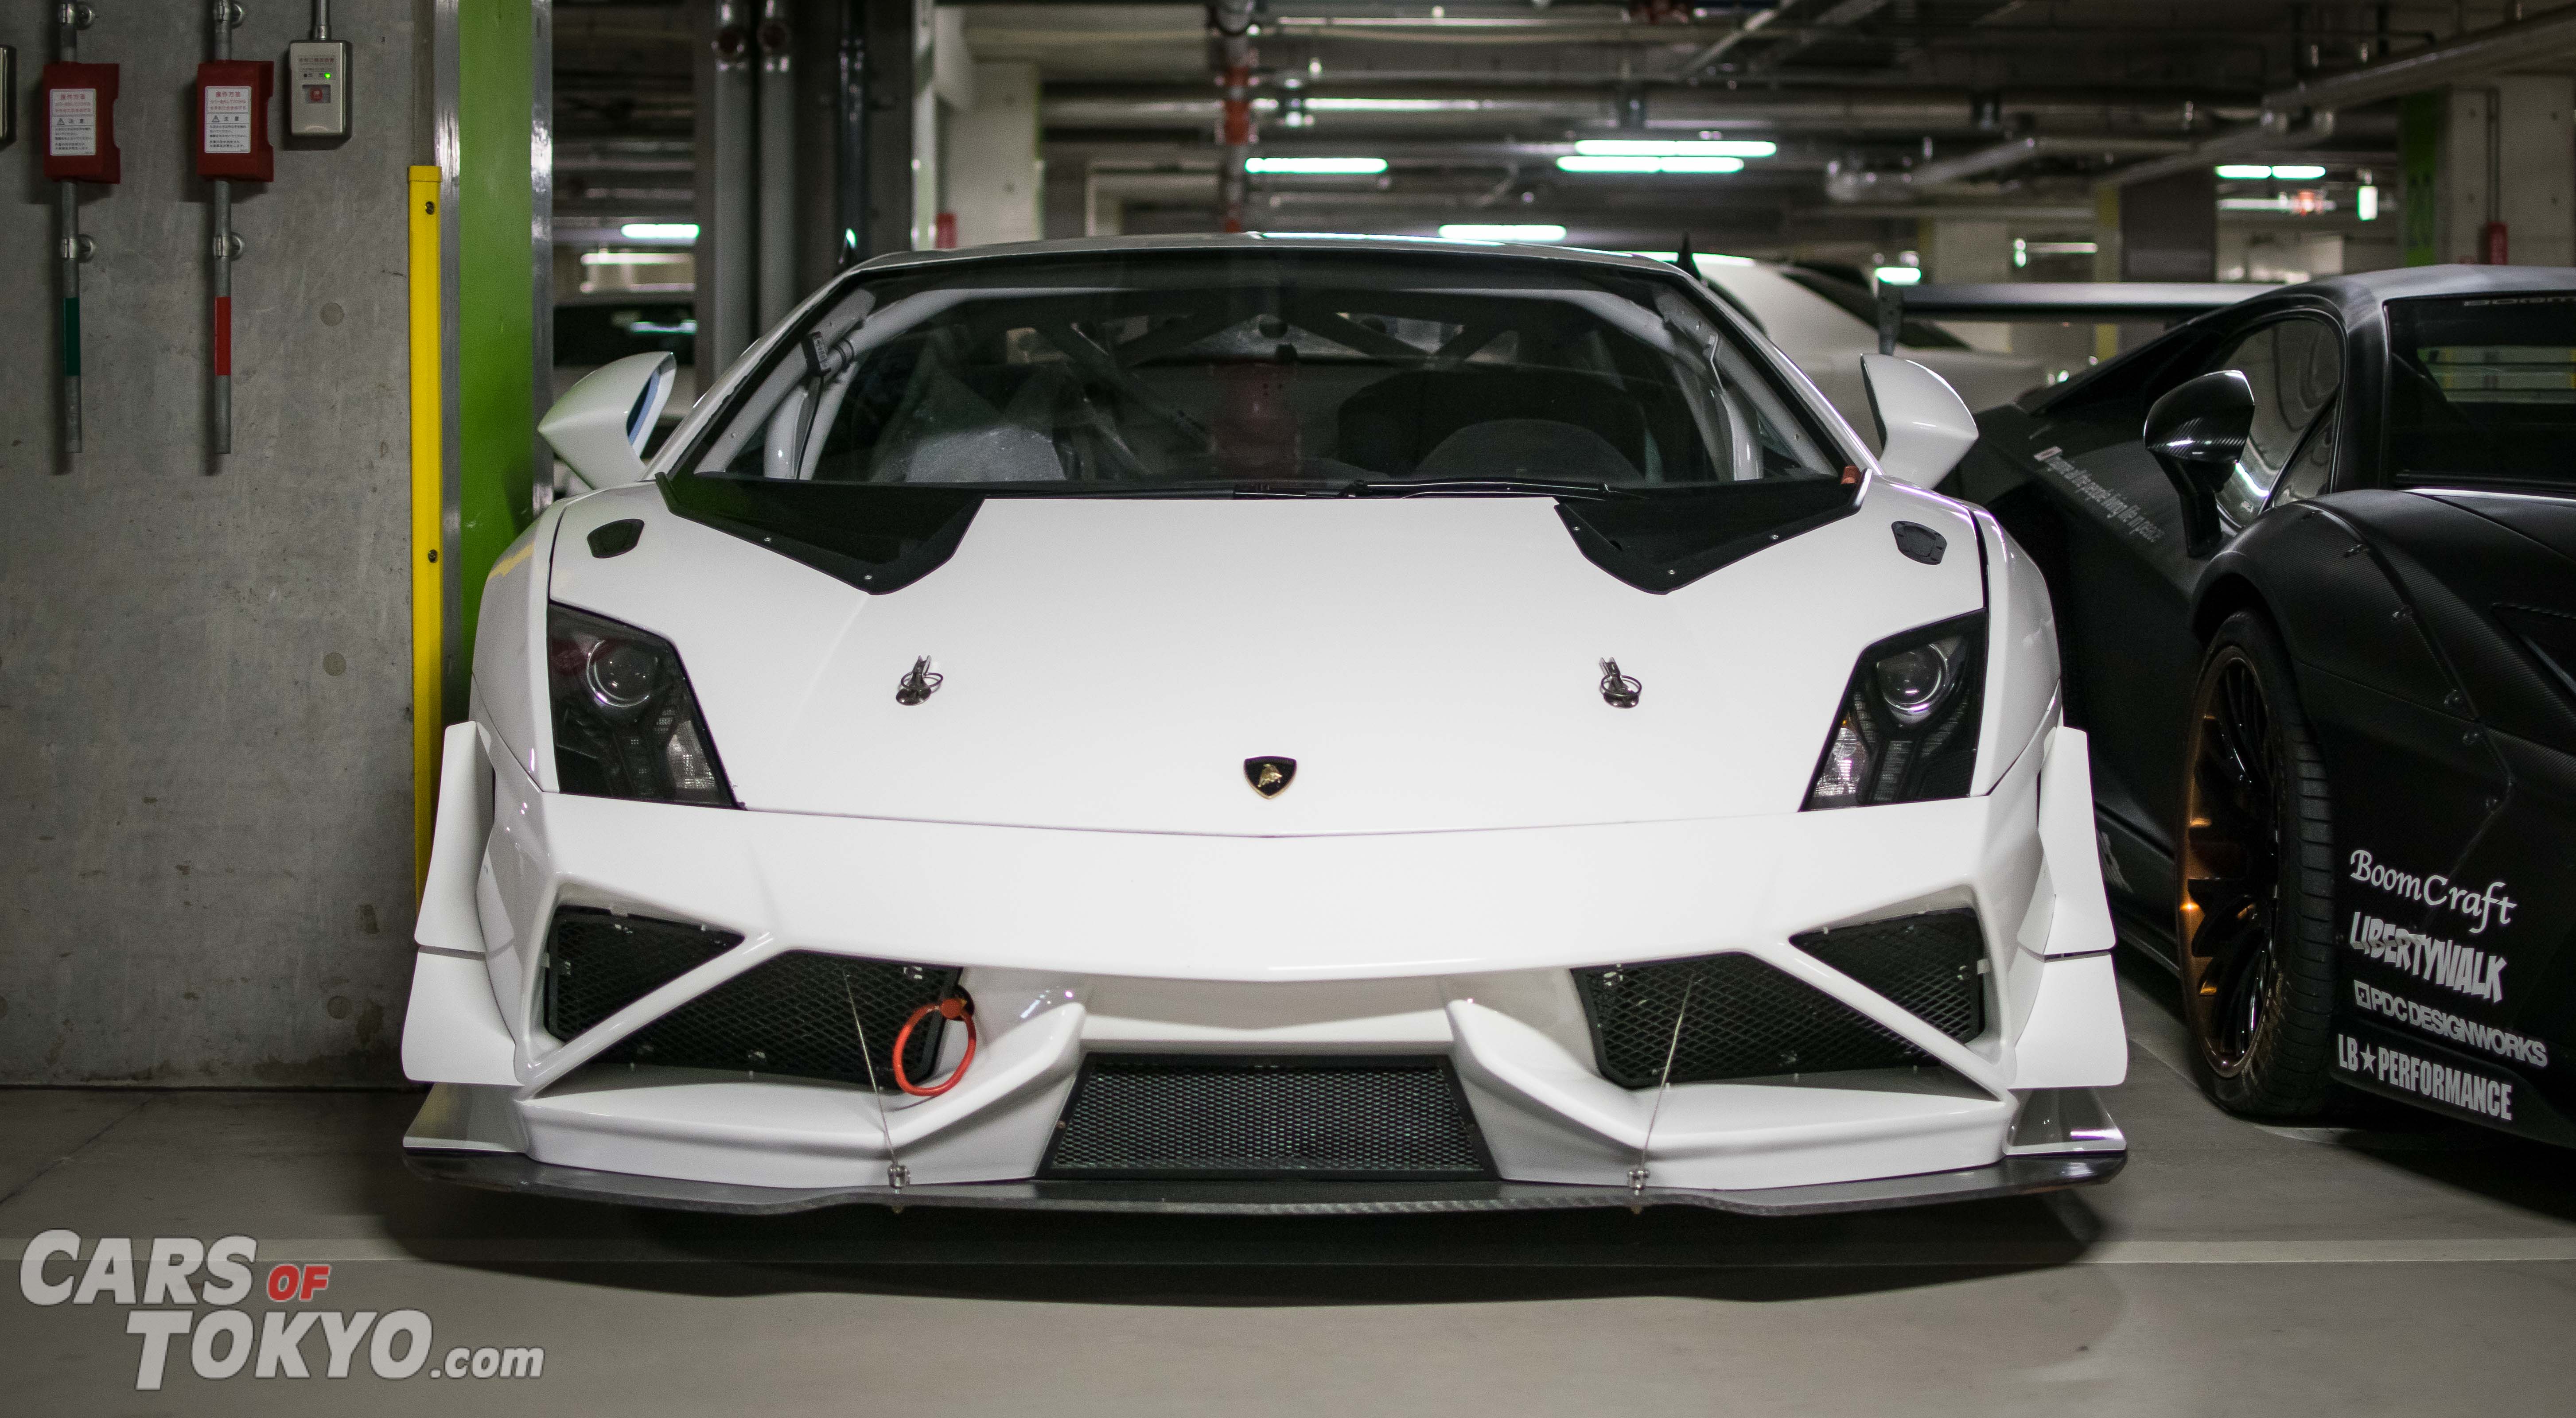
[
  {"x": 2442, "y": 1024},
  {"x": 2422, "y": 1078}
]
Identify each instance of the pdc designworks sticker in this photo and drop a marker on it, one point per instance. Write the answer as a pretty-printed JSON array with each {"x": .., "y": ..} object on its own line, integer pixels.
[
  {"x": 2503, "y": 1043},
  {"x": 223, "y": 1342},
  {"x": 2440, "y": 1083}
]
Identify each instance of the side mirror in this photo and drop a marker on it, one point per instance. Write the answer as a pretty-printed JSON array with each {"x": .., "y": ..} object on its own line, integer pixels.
[
  {"x": 600, "y": 425},
  {"x": 2197, "y": 431},
  {"x": 1924, "y": 427}
]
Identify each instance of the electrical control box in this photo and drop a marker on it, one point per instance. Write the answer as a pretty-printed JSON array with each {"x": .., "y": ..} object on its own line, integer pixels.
[
  {"x": 232, "y": 121},
  {"x": 79, "y": 114},
  {"x": 317, "y": 88}
]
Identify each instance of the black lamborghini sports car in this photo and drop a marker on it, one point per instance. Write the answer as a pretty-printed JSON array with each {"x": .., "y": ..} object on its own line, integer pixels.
[{"x": 2314, "y": 559}]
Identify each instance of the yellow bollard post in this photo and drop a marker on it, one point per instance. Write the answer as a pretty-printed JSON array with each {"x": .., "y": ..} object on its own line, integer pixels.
[{"x": 427, "y": 575}]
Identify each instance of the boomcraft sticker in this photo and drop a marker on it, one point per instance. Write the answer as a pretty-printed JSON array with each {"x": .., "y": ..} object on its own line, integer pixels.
[{"x": 2492, "y": 905}]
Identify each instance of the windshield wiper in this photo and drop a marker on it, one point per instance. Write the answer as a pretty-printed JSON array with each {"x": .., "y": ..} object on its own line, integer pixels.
[
  {"x": 1303, "y": 487},
  {"x": 1530, "y": 487}
]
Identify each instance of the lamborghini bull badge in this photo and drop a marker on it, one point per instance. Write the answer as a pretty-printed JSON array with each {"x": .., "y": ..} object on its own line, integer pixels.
[{"x": 1269, "y": 776}]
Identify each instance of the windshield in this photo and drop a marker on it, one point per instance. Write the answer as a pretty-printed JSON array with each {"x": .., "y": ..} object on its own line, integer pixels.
[
  {"x": 1263, "y": 371},
  {"x": 2483, "y": 390}
]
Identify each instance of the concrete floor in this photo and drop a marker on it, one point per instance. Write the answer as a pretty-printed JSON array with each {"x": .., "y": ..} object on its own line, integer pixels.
[{"x": 2396, "y": 1265}]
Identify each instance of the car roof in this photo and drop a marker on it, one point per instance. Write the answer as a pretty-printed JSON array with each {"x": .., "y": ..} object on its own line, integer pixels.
[
  {"x": 2367, "y": 289},
  {"x": 1275, "y": 241}
]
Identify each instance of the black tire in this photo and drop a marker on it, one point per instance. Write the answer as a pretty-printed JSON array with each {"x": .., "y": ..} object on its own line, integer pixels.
[{"x": 2254, "y": 882}]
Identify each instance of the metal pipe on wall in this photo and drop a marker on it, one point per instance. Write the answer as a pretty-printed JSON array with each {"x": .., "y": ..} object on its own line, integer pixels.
[
  {"x": 225, "y": 15},
  {"x": 777, "y": 205},
  {"x": 734, "y": 231},
  {"x": 1232, "y": 20},
  {"x": 70, "y": 19}
]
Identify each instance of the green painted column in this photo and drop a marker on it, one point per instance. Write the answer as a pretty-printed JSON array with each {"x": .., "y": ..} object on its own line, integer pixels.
[
  {"x": 2420, "y": 130},
  {"x": 495, "y": 318}
]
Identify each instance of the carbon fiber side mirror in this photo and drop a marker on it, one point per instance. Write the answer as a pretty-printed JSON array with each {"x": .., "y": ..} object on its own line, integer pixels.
[{"x": 2197, "y": 431}]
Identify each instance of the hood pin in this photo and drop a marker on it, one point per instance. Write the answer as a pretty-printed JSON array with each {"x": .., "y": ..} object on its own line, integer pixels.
[
  {"x": 918, "y": 683},
  {"x": 1617, "y": 690}
]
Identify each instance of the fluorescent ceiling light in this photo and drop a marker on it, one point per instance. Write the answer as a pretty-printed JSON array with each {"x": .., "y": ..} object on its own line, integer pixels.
[
  {"x": 659, "y": 231},
  {"x": 1395, "y": 105},
  {"x": 1899, "y": 275},
  {"x": 1335, "y": 166},
  {"x": 1662, "y": 148},
  {"x": 2287, "y": 172},
  {"x": 2294, "y": 205},
  {"x": 1607, "y": 163},
  {"x": 635, "y": 258},
  {"x": 1516, "y": 231}
]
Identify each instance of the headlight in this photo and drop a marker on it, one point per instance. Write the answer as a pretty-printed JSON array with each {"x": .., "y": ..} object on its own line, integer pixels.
[
  {"x": 1907, "y": 729},
  {"x": 626, "y": 725}
]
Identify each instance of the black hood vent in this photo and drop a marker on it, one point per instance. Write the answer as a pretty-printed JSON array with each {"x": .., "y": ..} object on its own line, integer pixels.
[
  {"x": 1669, "y": 537},
  {"x": 877, "y": 537}
]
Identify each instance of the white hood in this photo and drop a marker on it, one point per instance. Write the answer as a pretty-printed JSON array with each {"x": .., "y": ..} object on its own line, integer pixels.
[{"x": 1432, "y": 664}]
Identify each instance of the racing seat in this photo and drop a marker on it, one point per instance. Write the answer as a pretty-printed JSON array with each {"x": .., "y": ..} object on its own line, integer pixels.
[{"x": 1392, "y": 425}]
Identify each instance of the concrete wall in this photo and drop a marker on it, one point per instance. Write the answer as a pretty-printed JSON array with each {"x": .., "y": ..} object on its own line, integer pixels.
[
  {"x": 990, "y": 175},
  {"x": 2509, "y": 154},
  {"x": 204, "y": 747}
]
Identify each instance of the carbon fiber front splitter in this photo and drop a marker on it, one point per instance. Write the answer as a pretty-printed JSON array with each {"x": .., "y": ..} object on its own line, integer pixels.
[{"x": 2012, "y": 1176}]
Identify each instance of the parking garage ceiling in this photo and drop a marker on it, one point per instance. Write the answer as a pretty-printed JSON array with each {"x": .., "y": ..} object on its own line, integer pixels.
[{"x": 1883, "y": 112}]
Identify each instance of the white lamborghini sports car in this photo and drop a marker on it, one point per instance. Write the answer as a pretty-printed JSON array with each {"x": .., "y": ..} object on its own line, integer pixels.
[{"x": 1264, "y": 724}]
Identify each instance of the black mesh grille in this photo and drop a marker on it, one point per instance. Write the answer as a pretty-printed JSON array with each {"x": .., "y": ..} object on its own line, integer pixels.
[
  {"x": 1197, "y": 1116},
  {"x": 1747, "y": 1019},
  {"x": 597, "y": 963},
  {"x": 1927, "y": 965},
  {"x": 791, "y": 1016}
]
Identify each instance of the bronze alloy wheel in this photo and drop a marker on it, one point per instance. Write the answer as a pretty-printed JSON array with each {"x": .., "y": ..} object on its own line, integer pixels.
[
  {"x": 2231, "y": 864},
  {"x": 2253, "y": 908}
]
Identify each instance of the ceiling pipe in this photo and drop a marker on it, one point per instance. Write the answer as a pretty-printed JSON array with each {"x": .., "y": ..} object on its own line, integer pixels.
[
  {"x": 1504, "y": 107},
  {"x": 2503, "y": 47},
  {"x": 1832, "y": 24},
  {"x": 1726, "y": 44},
  {"x": 2275, "y": 132},
  {"x": 2000, "y": 157}
]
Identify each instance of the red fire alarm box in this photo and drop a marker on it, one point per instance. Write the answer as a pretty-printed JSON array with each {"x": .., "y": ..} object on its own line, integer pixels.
[
  {"x": 232, "y": 120},
  {"x": 79, "y": 115}
]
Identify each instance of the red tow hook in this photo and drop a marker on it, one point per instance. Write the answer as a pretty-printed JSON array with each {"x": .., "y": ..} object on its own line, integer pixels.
[{"x": 953, "y": 1007}]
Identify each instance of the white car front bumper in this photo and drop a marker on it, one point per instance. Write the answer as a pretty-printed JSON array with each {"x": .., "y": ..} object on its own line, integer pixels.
[{"x": 1454, "y": 945}]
